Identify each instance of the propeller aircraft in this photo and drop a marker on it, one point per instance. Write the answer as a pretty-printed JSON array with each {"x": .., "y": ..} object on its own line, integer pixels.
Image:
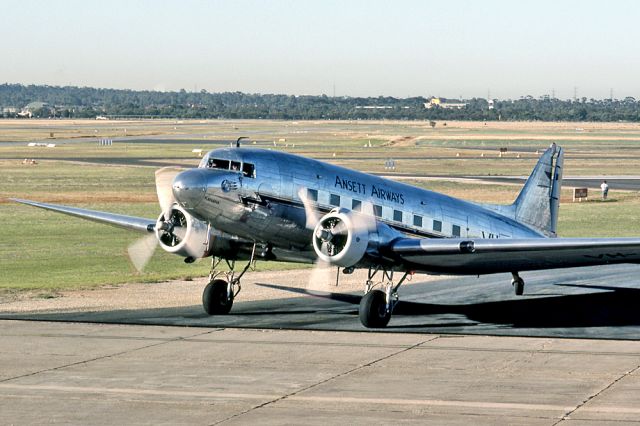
[{"x": 246, "y": 204}]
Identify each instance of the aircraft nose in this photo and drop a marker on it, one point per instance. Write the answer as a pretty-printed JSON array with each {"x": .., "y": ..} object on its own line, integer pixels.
[{"x": 189, "y": 188}]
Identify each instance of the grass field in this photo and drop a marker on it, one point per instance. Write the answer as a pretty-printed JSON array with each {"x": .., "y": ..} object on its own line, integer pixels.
[{"x": 44, "y": 250}]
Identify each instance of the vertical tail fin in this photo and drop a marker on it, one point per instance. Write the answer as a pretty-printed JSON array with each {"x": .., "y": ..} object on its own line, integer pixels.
[{"x": 538, "y": 202}]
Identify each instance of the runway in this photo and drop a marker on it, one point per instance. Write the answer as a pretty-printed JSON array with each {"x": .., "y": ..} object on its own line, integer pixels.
[
  {"x": 597, "y": 302},
  {"x": 627, "y": 183}
]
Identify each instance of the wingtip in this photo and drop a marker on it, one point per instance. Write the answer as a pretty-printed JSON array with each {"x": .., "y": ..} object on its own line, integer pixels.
[
  {"x": 23, "y": 201},
  {"x": 20, "y": 200}
]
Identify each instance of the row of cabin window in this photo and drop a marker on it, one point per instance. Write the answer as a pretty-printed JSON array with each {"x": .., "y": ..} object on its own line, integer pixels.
[
  {"x": 356, "y": 205},
  {"x": 248, "y": 169}
]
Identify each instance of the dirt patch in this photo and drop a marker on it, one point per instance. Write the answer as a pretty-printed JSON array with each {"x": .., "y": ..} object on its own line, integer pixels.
[{"x": 400, "y": 141}]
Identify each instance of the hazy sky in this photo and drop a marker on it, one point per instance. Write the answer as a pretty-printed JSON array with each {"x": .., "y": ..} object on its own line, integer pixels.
[{"x": 366, "y": 48}]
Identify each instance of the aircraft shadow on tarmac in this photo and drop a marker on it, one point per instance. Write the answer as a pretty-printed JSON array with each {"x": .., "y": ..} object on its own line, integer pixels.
[
  {"x": 614, "y": 307},
  {"x": 606, "y": 307}
]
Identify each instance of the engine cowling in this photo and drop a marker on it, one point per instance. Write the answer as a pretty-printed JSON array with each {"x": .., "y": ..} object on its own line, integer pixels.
[
  {"x": 182, "y": 234},
  {"x": 341, "y": 238}
]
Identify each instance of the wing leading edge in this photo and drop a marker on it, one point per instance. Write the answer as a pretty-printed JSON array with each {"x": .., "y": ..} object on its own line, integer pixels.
[
  {"x": 128, "y": 222},
  {"x": 465, "y": 256}
]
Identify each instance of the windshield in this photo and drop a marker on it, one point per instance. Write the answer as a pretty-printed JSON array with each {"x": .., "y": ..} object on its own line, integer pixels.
[{"x": 247, "y": 169}]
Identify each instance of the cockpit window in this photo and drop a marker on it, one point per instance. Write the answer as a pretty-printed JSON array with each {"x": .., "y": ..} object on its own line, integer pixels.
[
  {"x": 216, "y": 163},
  {"x": 248, "y": 170}
]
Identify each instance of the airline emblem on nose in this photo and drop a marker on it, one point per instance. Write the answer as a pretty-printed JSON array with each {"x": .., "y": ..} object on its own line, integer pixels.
[{"x": 228, "y": 185}]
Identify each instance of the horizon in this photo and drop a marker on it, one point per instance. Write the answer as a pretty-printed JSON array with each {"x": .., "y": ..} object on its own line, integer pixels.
[
  {"x": 315, "y": 95},
  {"x": 458, "y": 50}
]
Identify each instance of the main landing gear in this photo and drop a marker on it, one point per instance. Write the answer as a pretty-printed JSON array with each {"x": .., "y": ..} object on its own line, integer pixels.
[
  {"x": 218, "y": 295},
  {"x": 517, "y": 283},
  {"x": 377, "y": 305}
]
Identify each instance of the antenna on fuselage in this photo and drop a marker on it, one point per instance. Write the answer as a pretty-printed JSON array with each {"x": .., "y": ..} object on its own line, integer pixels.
[{"x": 239, "y": 139}]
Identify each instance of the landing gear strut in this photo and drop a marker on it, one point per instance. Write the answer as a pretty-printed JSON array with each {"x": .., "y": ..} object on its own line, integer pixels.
[
  {"x": 218, "y": 295},
  {"x": 377, "y": 305},
  {"x": 517, "y": 283}
]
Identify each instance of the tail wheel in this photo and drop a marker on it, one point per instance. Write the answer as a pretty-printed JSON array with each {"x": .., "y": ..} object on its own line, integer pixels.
[
  {"x": 373, "y": 310},
  {"x": 215, "y": 298},
  {"x": 518, "y": 286}
]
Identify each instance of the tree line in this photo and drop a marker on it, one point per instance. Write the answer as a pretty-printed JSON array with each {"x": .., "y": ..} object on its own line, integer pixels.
[{"x": 87, "y": 102}]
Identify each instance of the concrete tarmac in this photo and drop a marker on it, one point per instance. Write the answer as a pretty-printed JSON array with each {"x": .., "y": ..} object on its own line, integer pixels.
[
  {"x": 79, "y": 373},
  {"x": 305, "y": 358}
]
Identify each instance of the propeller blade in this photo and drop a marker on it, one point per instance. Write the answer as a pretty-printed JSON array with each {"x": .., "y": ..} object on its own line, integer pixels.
[
  {"x": 324, "y": 248},
  {"x": 340, "y": 228},
  {"x": 365, "y": 220},
  {"x": 322, "y": 275},
  {"x": 311, "y": 214},
  {"x": 141, "y": 250},
  {"x": 164, "y": 188},
  {"x": 180, "y": 232}
]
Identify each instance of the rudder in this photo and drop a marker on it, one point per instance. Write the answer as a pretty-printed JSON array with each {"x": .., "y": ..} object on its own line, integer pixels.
[{"x": 538, "y": 203}]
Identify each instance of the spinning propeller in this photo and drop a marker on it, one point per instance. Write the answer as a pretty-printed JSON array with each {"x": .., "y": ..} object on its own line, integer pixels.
[
  {"x": 335, "y": 236},
  {"x": 170, "y": 228}
]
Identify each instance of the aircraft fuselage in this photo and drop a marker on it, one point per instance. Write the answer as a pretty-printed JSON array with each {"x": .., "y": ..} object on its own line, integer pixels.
[{"x": 257, "y": 195}]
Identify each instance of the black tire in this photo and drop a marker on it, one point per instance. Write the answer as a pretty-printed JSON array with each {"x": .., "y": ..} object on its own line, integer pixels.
[
  {"x": 373, "y": 310},
  {"x": 518, "y": 286},
  {"x": 214, "y": 298}
]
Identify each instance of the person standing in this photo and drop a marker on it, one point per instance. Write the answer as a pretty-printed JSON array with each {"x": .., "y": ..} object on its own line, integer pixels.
[{"x": 605, "y": 189}]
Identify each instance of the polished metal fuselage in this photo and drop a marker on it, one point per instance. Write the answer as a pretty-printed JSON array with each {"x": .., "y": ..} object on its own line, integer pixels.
[{"x": 266, "y": 206}]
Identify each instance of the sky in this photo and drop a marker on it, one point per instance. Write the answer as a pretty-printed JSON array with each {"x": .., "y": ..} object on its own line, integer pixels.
[{"x": 401, "y": 48}]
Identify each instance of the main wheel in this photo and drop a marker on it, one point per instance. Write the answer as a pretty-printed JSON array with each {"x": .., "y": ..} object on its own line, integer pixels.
[
  {"x": 373, "y": 310},
  {"x": 214, "y": 298},
  {"x": 518, "y": 286}
]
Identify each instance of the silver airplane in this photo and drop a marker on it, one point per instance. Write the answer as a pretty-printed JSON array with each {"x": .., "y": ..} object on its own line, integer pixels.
[{"x": 243, "y": 204}]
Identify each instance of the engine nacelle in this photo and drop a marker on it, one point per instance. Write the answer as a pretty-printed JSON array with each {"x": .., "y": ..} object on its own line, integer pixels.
[
  {"x": 341, "y": 237},
  {"x": 182, "y": 234}
]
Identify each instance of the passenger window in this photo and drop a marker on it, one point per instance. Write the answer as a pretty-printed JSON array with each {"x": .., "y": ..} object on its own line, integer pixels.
[
  {"x": 235, "y": 166},
  {"x": 312, "y": 195},
  {"x": 248, "y": 170},
  {"x": 334, "y": 200},
  {"x": 377, "y": 210},
  {"x": 455, "y": 230},
  {"x": 397, "y": 215},
  {"x": 437, "y": 225},
  {"x": 356, "y": 205},
  {"x": 417, "y": 220},
  {"x": 216, "y": 163}
]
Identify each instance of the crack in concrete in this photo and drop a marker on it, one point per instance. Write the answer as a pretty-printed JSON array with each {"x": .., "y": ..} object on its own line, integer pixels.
[
  {"x": 321, "y": 382},
  {"x": 595, "y": 395},
  {"x": 113, "y": 355}
]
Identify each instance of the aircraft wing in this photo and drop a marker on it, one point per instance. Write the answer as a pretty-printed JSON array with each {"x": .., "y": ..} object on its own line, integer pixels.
[
  {"x": 469, "y": 256},
  {"x": 128, "y": 222}
]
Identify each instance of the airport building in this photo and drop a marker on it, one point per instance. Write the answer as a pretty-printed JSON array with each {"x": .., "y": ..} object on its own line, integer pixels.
[
  {"x": 443, "y": 103},
  {"x": 29, "y": 110}
]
